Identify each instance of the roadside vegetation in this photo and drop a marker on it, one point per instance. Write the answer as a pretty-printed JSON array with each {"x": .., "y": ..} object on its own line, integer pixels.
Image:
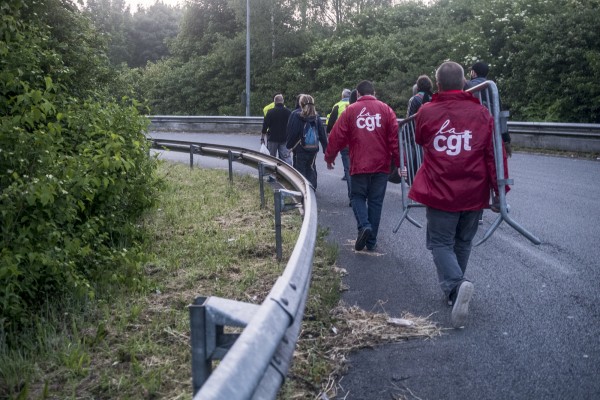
[{"x": 205, "y": 237}]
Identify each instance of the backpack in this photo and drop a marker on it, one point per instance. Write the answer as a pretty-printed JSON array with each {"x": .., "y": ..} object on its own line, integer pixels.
[{"x": 310, "y": 136}]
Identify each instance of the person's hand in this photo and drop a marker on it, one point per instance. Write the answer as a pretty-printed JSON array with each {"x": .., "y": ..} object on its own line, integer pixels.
[
  {"x": 508, "y": 148},
  {"x": 404, "y": 173},
  {"x": 330, "y": 165},
  {"x": 495, "y": 206}
]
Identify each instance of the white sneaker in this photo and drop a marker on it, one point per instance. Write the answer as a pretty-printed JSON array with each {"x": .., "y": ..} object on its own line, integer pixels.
[{"x": 460, "y": 309}]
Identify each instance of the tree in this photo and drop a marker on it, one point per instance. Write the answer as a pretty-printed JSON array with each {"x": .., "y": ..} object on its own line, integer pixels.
[
  {"x": 204, "y": 24},
  {"x": 112, "y": 19},
  {"x": 150, "y": 33}
]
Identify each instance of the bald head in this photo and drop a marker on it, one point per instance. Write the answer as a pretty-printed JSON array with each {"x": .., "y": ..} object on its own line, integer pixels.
[{"x": 450, "y": 76}]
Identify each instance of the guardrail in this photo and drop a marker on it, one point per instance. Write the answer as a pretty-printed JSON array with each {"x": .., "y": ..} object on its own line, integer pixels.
[
  {"x": 256, "y": 363},
  {"x": 556, "y": 136},
  {"x": 538, "y": 135}
]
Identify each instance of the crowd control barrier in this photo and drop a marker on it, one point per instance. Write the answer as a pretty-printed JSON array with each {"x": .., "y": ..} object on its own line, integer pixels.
[
  {"x": 411, "y": 158},
  {"x": 254, "y": 362}
]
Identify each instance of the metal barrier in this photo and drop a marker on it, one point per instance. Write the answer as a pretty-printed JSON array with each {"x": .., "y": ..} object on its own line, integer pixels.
[
  {"x": 411, "y": 157},
  {"x": 255, "y": 362},
  {"x": 537, "y": 135}
]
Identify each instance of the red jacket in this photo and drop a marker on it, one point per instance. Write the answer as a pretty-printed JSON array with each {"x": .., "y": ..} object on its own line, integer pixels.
[
  {"x": 458, "y": 168},
  {"x": 370, "y": 128}
]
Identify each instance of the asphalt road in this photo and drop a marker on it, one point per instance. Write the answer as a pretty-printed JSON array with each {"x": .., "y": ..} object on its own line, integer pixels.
[{"x": 534, "y": 324}]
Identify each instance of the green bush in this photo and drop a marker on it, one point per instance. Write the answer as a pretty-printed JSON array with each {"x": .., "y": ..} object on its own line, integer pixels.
[{"x": 75, "y": 176}]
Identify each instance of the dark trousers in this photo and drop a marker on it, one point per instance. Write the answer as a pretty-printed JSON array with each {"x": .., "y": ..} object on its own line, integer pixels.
[
  {"x": 304, "y": 162},
  {"x": 449, "y": 237},
  {"x": 368, "y": 192}
]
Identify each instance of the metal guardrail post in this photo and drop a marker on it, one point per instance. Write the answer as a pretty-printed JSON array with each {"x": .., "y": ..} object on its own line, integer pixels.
[
  {"x": 278, "y": 200},
  {"x": 280, "y": 206},
  {"x": 261, "y": 183},
  {"x": 230, "y": 157},
  {"x": 201, "y": 363},
  {"x": 191, "y": 156}
]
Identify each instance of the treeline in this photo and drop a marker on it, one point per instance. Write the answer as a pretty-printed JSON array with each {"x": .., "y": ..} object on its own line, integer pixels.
[{"x": 544, "y": 55}]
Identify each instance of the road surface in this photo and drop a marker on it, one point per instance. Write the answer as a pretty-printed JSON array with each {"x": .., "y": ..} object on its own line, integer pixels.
[{"x": 534, "y": 324}]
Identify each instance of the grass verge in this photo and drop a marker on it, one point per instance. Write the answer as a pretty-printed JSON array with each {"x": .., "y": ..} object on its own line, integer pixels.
[{"x": 208, "y": 238}]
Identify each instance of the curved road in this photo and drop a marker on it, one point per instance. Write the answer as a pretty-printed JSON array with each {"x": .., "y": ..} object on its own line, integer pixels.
[{"x": 534, "y": 323}]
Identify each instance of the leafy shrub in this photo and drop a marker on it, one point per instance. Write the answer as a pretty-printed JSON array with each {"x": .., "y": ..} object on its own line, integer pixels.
[{"x": 75, "y": 176}]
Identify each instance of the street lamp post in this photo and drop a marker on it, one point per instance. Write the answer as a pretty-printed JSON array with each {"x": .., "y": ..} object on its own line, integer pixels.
[{"x": 247, "y": 58}]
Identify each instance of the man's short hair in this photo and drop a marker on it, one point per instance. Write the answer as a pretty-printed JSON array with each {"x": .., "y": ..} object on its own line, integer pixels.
[
  {"x": 424, "y": 84},
  {"x": 278, "y": 99},
  {"x": 365, "y": 88},
  {"x": 450, "y": 76},
  {"x": 481, "y": 69},
  {"x": 346, "y": 93},
  {"x": 353, "y": 97}
]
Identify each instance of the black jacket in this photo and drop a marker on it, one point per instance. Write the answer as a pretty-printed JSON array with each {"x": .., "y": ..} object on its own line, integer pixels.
[{"x": 275, "y": 123}]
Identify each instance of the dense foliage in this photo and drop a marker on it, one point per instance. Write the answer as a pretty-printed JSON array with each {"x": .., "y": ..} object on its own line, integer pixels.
[
  {"x": 544, "y": 55},
  {"x": 74, "y": 168}
]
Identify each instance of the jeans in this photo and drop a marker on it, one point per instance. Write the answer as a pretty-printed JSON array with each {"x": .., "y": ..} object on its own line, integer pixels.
[
  {"x": 345, "y": 154},
  {"x": 368, "y": 192},
  {"x": 449, "y": 237},
  {"x": 304, "y": 162},
  {"x": 279, "y": 147}
]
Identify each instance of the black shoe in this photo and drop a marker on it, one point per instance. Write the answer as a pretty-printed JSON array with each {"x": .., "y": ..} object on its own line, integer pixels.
[
  {"x": 350, "y": 204},
  {"x": 361, "y": 240},
  {"x": 372, "y": 248},
  {"x": 460, "y": 299},
  {"x": 344, "y": 178}
]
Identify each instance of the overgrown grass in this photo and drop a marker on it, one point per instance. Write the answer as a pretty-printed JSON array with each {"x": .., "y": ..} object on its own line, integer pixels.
[{"x": 207, "y": 238}]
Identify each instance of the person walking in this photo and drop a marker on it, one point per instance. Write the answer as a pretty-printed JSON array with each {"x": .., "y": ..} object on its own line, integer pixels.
[
  {"x": 478, "y": 74},
  {"x": 304, "y": 133},
  {"x": 274, "y": 130},
  {"x": 370, "y": 129},
  {"x": 269, "y": 107},
  {"x": 337, "y": 109},
  {"x": 454, "y": 181},
  {"x": 422, "y": 96}
]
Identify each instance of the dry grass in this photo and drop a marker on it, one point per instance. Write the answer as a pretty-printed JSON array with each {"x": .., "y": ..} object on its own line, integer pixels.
[{"x": 351, "y": 329}]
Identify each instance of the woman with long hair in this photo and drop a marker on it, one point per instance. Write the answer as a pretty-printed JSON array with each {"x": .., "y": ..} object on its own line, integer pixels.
[{"x": 305, "y": 131}]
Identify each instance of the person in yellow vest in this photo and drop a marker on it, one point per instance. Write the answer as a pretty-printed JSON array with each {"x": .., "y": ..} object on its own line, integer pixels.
[
  {"x": 269, "y": 107},
  {"x": 337, "y": 109}
]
